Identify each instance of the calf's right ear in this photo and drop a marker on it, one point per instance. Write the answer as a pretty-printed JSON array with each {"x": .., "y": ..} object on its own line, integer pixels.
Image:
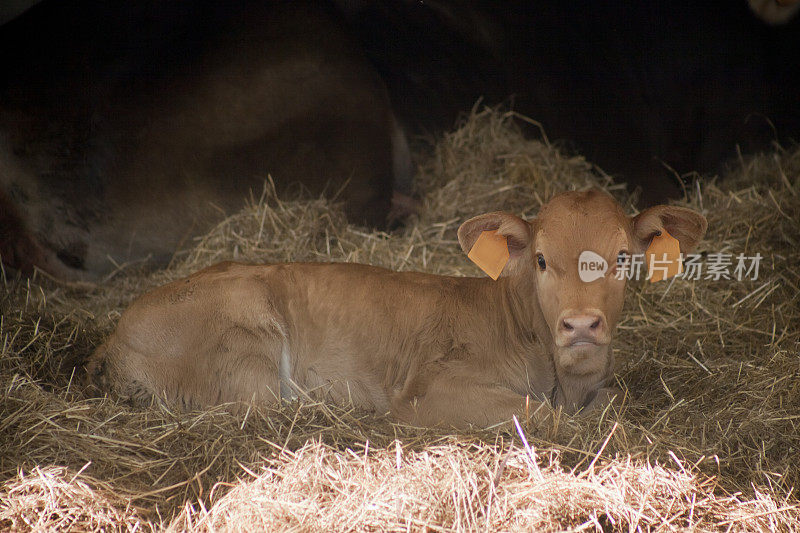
[{"x": 517, "y": 232}]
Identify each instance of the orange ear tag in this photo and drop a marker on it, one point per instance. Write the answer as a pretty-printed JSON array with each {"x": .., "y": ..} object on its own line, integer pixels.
[
  {"x": 663, "y": 257},
  {"x": 490, "y": 253}
]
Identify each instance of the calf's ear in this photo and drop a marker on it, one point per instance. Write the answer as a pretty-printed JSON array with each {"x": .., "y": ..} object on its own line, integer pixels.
[
  {"x": 684, "y": 224},
  {"x": 517, "y": 231}
]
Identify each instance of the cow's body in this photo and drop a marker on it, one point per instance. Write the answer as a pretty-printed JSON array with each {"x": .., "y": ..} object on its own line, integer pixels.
[
  {"x": 136, "y": 125},
  {"x": 429, "y": 349},
  {"x": 775, "y": 12},
  {"x": 338, "y": 332}
]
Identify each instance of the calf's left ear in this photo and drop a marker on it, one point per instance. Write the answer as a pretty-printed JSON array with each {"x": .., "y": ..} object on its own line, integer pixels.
[{"x": 684, "y": 224}]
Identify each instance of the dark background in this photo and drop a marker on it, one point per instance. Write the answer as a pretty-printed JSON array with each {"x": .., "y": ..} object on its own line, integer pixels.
[
  {"x": 633, "y": 86},
  {"x": 637, "y": 87}
]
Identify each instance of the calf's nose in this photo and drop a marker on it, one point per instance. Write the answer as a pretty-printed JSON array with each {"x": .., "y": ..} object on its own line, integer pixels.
[{"x": 577, "y": 328}]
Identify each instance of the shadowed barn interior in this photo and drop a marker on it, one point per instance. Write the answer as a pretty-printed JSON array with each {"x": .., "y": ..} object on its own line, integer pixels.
[{"x": 706, "y": 435}]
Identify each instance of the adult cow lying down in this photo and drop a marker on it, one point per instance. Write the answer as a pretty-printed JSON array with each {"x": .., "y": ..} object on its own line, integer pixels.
[
  {"x": 428, "y": 349},
  {"x": 128, "y": 127}
]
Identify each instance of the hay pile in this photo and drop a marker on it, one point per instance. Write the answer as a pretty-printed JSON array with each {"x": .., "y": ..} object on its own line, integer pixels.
[{"x": 708, "y": 436}]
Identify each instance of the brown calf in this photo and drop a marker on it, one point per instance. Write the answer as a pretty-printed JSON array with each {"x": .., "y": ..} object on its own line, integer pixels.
[{"x": 428, "y": 349}]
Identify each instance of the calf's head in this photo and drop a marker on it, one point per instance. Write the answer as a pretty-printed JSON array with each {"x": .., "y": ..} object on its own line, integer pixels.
[{"x": 555, "y": 269}]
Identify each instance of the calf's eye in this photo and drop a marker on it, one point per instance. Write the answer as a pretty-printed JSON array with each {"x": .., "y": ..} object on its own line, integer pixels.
[
  {"x": 622, "y": 257},
  {"x": 540, "y": 260}
]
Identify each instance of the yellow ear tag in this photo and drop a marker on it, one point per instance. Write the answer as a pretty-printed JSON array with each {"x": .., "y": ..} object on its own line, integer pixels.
[
  {"x": 490, "y": 253},
  {"x": 663, "y": 257}
]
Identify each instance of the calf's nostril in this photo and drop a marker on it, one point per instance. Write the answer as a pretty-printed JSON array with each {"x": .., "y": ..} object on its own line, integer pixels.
[
  {"x": 567, "y": 326},
  {"x": 595, "y": 324}
]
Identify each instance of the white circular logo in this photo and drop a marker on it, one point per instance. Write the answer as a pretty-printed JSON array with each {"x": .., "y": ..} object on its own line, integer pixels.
[{"x": 591, "y": 266}]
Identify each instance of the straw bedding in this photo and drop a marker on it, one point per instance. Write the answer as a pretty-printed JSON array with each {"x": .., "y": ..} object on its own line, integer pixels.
[{"x": 707, "y": 437}]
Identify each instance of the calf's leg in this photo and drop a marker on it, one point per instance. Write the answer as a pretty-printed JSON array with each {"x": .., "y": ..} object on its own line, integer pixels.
[
  {"x": 194, "y": 343},
  {"x": 457, "y": 401}
]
